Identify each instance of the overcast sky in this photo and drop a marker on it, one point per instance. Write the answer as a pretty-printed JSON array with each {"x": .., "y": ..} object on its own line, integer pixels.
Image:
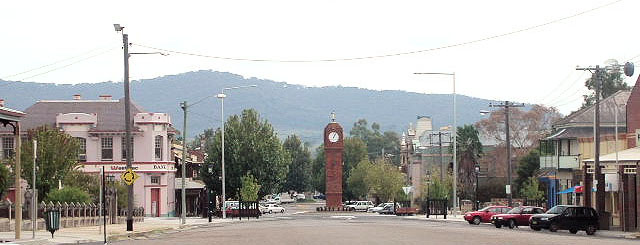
[{"x": 535, "y": 66}]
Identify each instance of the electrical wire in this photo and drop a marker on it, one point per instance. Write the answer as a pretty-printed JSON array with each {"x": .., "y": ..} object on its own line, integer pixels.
[
  {"x": 386, "y": 55},
  {"x": 70, "y": 64},
  {"x": 50, "y": 64}
]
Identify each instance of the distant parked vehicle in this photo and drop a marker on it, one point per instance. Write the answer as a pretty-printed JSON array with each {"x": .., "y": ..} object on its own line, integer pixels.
[
  {"x": 516, "y": 217},
  {"x": 380, "y": 207},
  {"x": 284, "y": 198},
  {"x": 300, "y": 196},
  {"x": 484, "y": 215},
  {"x": 567, "y": 217},
  {"x": 388, "y": 209},
  {"x": 319, "y": 196},
  {"x": 271, "y": 208},
  {"x": 360, "y": 206}
]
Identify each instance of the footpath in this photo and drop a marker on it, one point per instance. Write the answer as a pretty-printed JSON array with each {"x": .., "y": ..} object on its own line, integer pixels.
[
  {"x": 460, "y": 219},
  {"x": 92, "y": 234}
]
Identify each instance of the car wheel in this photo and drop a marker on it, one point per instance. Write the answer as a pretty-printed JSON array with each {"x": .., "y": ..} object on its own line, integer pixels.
[
  {"x": 553, "y": 227},
  {"x": 282, "y": 211},
  {"x": 353, "y": 209},
  {"x": 512, "y": 224},
  {"x": 498, "y": 225},
  {"x": 591, "y": 230},
  {"x": 476, "y": 220},
  {"x": 573, "y": 230},
  {"x": 270, "y": 212},
  {"x": 535, "y": 228}
]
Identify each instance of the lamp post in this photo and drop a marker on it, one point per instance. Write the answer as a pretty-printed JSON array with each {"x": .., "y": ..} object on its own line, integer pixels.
[
  {"x": 455, "y": 135},
  {"x": 210, "y": 170},
  {"x": 477, "y": 168},
  {"x": 127, "y": 118},
  {"x": 221, "y": 96}
]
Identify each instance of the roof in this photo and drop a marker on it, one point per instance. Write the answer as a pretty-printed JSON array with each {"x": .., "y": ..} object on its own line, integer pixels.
[
  {"x": 580, "y": 132},
  {"x": 10, "y": 114},
  {"x": 110, "y": 113},
  {"x": 584, "y": 117},
  {"x": 629, "y": 155},
  {"x": 189, "y": 183}
]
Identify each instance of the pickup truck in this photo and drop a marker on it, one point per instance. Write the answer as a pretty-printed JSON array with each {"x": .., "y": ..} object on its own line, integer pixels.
[{"x": 284, "y": 198}]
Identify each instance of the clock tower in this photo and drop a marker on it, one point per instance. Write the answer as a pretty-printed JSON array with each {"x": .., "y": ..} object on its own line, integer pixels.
[{"x": 333, "y": 149}]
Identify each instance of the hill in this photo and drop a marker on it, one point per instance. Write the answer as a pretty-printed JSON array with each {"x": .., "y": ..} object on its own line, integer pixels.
[{"x": 290, "y": 108}]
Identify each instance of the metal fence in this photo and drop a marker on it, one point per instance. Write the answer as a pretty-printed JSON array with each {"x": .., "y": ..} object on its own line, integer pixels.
[{"x": 437, "y": 207}]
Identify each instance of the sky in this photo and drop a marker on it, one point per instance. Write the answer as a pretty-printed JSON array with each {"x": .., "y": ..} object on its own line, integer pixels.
[{"x": 69, "y": 42}]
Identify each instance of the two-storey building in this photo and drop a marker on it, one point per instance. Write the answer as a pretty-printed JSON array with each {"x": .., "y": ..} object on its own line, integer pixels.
[{"x": 100, "y": 126}]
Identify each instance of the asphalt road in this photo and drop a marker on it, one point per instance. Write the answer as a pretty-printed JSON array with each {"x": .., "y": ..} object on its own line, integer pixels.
[{"x": 312, "y": 228}]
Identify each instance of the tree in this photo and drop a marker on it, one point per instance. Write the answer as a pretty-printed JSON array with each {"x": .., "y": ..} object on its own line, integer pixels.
[
  {"x": 68, "y": 194},
  {"x": 531, "y": 189},
  {"x": 299, "y": 176},
  {"x": 385, "y": 181},
  {"x": 251, "y": 147},
  {"x": 56, "y": 157},
  {"x": 527, "y": 166},
  {"x": 5, "y": 179},
  {"x": 438, "y": 189},
  {"x": 377, "y": 142},
  {"x": 491, "y": 188},
  {"x": 318, "y": 178},
  {"x": 469, "y": 150},
  {"x": 250, "y": 188},
  {"x": 357, "y": 182},
  {"x": 355, "y": 151},
  {"x": 612, "y": 82},
  {"x": 526, "y": 127}
]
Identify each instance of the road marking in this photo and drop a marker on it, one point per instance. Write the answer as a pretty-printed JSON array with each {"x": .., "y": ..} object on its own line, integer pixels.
[{"x": 343, "y": 217}]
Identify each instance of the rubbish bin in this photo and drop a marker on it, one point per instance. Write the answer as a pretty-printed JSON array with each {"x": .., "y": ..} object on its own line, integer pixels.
[{"x": 52, "y": 220}]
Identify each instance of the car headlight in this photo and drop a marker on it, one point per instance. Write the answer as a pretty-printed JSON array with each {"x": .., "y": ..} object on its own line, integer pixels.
[
  {"x": 499, "y": 217},
  {"x": 544, "y": 218}
]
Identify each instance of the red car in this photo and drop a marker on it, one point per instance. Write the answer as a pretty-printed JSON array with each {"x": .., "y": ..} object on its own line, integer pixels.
[
  {"x": 484, "y": 215},
  {"x": 516, "y": 216}
]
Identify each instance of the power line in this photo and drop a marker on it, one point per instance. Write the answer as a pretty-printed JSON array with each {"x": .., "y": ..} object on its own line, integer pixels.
[
  {"x": 386, "y": 55},
  {"x": 50, "y": 64},
  {"x": 70, "y": 64},
  {"x": 560, "y": 97}
]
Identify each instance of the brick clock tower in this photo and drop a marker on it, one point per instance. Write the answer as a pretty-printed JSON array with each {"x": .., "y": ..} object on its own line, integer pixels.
[{"x": 333, "y": 149}]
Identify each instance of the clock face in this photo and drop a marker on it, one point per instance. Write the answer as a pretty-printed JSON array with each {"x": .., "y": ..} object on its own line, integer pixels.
[{"x": 334, "y": 137}]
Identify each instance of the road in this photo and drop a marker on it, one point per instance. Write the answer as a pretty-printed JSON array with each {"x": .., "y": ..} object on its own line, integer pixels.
[{"x": 296, "y": 227}]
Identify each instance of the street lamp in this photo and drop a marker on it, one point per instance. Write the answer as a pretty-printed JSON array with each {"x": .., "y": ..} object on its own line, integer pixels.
[
  {"x": 210, "y": 170},
  {"x": 455, "y": 164},
  {"x": 477, "y": 170},
  {"x": 221, "y": 96},
  {"x": 127, "y": 118}
]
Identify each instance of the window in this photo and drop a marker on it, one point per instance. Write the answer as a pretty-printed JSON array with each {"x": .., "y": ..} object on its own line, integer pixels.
[
  {"x": 82, "y": 150},
  {"x": 110, "y": 178},
  {"x": 107, "y": 148},
  {"x": 7, "y": 147},
  {"x": 158, "y": 147},
  {"x": 124, "y": 148},
  {"x": 155, "y": 180}
]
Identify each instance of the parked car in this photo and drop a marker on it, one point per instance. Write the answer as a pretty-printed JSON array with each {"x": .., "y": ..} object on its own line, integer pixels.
[
  {"x": 271, "y": 208},
  {"x": 300, "y": 196},
  {"x": 284, "y": 198},
  {"x": 484, "y": 215},
  {"x": 387, "y": 209},
  {"x": 380, "y": 207},
  {"x": 360, "y": 206},
  {"x": 319, "y": 196},
  {"x": 567, "y": 217},
  {"x": 516, "y": 216}
]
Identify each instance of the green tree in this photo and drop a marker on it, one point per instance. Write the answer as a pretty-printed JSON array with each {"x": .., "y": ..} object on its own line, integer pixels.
[
  {"x": 56, "y": 157},
  {"x": 5, "y": 179},
  {"x": 318, "y": 176},
  {"x": 385, "y": 181},
  {"x": 68, "y": 194},
  {"x": 527, "y": 166},
  {"x": 376, "y": 141},
  {"x": 299, "y": 176},
  {"x": 469, "y": 150},
  {"x": 355, "y": 151},
  {"x": 357, "y": 182},
  {"x": 251, "y": 146},
  {"x": 612, "y": 82},
  {"x": 250, "y": 188},
  {"x": 438, "y": 189},
  {"x": 531, "y": 189}
]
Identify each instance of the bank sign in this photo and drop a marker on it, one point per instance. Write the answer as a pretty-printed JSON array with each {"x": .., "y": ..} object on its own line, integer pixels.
[{"x": 156, "y": 167}]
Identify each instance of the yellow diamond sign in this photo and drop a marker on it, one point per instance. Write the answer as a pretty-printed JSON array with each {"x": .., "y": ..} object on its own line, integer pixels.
[{"x": 129, "y": 177}]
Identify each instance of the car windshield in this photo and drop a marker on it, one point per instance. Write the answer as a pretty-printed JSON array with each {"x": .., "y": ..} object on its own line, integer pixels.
[
  {"x": 381, "y": 205},
  {"x": 484, "y": 209},
  {"x": 515, "y": 210},
  {"x": 557, "y": 210}
]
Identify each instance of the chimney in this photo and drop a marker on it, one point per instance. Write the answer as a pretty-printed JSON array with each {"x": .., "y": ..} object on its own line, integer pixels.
[
  {"x": 1, "y": 102},
  {"x": 77, "y": 97},
  {"x": 105, "y": 97}
]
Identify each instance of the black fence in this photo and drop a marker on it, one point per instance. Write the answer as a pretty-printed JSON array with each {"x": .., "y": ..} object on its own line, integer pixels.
[
  {"x": 437, "y": 207},
  {"x": 248, "y": 209},
  {"x": 537, "y": 203}
]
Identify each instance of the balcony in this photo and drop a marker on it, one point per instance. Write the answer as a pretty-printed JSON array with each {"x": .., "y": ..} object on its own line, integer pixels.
[{"x": 562, "y": 162}]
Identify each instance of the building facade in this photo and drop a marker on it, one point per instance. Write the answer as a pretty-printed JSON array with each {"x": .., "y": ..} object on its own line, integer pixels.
[{"x": 100, "y": 128}]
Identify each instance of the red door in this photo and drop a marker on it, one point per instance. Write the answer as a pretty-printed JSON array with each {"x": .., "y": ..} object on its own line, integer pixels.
[{"x": 155, "y": 202}]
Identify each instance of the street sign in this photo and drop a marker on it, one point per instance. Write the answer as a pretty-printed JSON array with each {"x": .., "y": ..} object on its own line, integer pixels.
[
  {"x": 129, "y": 177},
  {"x": 407, "y": 189},
  {"x": 507, "y": 189}
]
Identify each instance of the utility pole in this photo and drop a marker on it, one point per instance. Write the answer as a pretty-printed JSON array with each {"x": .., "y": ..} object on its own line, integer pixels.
[
  {"x": 442, "y": 165},
  {"x": 18, "y": 191},
  {"x": 127, "y": 121},
  {"x": 506, "y": 107},
  {"x": 183, "y": 203},
  {"x": 34, "y": 197}
]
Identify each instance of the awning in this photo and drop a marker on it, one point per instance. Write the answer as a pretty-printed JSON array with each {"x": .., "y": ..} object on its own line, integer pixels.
[
  {"x": 570, "y": 190},
  {"x": 189, "y": 184},
  {"x": 625, "y": 156}
]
